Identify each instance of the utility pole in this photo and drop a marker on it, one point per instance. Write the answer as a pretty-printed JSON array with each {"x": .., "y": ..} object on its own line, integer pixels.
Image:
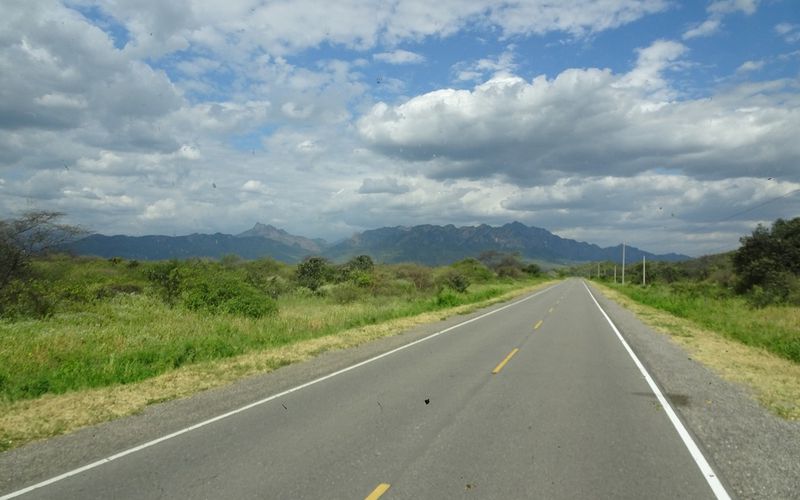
[
  {"x": 644, "y": 271},
  {"x": 623, "y": 263},
  {"x": 598, "y": 270},
  {"x": 615, "y": 273}
]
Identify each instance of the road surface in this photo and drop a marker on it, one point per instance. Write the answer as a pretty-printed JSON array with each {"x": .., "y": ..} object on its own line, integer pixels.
[{"x": 537, "y": 399}]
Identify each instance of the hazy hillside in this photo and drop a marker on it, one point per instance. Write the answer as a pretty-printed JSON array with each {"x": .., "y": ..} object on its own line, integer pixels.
[
  {"x": 426, "y": 244},
  {"x": 281, "y": 236},
  {"x": 181, "y": 247},
  {"x": 442, "y": 244}
]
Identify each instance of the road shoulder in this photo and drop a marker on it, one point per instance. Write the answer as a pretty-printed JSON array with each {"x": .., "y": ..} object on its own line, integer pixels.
[{"x": 755, "y": 452}]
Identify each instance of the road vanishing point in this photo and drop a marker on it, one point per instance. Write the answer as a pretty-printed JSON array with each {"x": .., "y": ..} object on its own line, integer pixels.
[{"x": 537, "y": 398}]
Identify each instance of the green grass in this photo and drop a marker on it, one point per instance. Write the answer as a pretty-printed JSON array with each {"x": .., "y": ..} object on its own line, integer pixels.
[
  {"x": 98, "y": 339},
  {"x": 774, "y": 328}
]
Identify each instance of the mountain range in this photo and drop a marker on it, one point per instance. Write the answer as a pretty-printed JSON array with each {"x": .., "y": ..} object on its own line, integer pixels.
[{"x": 425, "y": 244}]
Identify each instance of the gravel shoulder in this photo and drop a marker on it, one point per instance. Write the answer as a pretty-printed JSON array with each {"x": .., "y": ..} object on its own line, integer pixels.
[{"x": 756, "y": 453}]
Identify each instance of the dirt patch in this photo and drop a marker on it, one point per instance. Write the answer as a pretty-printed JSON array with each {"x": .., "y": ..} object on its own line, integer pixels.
[{"x": 773, "y": 380}]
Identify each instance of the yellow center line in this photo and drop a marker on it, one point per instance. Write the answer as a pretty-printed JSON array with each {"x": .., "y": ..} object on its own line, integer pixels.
[
  {"x": 551, "y": 310},
  {"x": 537, "y": 325},
  {"x": 378, "y": 491},
  {"x": 503, "y": 363}
]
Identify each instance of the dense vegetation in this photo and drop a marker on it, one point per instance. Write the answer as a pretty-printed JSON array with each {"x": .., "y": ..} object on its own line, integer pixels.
[
  {"x": 751, "y": 295},
  {"x": 74, "y": 322}
]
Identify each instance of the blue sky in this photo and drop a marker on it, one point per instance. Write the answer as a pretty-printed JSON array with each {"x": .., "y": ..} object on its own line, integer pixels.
[{"x": 649, "y": 121}]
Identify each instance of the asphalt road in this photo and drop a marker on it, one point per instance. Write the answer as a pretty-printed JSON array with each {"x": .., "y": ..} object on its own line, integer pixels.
[{"x": 568, "y": 415}]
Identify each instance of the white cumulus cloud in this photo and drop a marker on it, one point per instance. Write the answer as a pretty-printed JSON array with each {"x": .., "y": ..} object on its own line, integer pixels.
[{"x": 399, "y": 56}]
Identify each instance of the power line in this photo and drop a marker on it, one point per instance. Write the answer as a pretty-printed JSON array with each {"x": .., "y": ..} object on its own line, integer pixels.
[
  {"x": 717, "y": 249},
  {"x": 760, "y": 205}
]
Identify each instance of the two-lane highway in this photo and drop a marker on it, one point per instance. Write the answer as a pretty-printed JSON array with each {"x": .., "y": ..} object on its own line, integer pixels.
[{"x": 537, "y": 399}]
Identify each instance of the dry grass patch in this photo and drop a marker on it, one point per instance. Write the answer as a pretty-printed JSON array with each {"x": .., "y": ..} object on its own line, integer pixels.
[
  {"x": 774, "y": 380},
  {"x": 51, "y": 415}
]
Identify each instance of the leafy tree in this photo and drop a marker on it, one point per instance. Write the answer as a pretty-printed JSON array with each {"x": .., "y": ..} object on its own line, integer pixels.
[
  {"x": 313, "y": 272},
  {"x": 507, "y": 265},
  {"x": 359, "y": 270},
  {"x": 361, "y": 263},
  {"x": 770, "y": 260}
]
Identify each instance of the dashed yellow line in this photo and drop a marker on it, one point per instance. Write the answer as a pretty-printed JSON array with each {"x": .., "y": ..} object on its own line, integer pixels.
[
  {"x": 378, "y": 491},
  {"x": 551, "y": 310},
  {"x": 537, "y": 325},
  {"x": 503, "y": 363}
]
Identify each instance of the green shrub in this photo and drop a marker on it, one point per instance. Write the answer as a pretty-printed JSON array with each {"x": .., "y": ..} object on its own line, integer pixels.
[
  {"x": 454, "y": 280},
  {"x": 361, "y": 263},
  {"x": 421, "y": 276},
  {"x": 220, "y": 293},
  {"x": 28, "y": 298},
  {"x": 313, "y": 272},
  {"x": 386, "y": 286},
  {"x": 447, "y": 298},
  {"x": 166, "y": 278},
  {"x": 474, "y": 270},
  {"x": 345, "y": 293},
  {"x": 271, "y": 286},
  {"x": 776, "y": 288}
]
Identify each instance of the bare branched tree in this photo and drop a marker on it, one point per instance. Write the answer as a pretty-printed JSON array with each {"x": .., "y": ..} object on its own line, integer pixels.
[{"x": 36, "y": 232}]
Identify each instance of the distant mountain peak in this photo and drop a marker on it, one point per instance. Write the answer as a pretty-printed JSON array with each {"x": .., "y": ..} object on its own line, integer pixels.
[
  {"x": 435, "y": 245},
  {"x": 425, "y": 244},
  {"x": 271, "y": 232}
]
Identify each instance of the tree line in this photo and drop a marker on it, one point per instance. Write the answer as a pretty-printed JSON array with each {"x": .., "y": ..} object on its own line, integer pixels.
[
  {"x": 765, "y": 268},
  {"x": 35, "y": 279}
]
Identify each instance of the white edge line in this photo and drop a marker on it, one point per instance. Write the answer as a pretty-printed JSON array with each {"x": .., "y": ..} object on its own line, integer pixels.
[
  {"x": 711, "y": 477},
  {"x": 154, "y": 442}
]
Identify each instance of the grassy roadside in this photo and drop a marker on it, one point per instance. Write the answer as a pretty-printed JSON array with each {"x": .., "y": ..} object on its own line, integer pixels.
[
  {"x": 311, "y": 331},
  {"x": 773, "y": 378},
  {"x": 775, "y": 328}
]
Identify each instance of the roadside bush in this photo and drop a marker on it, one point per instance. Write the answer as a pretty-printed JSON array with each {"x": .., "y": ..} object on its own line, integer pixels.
[
  {"x": 218, "y": 293},
  {"x": 345, "y": 293},
  {"x": 358, "y": 269},
  {"x": 361, "y": 263},
  {"x": 166, "y": 278},
  {"x": 512, "y": 271},
  {"x": 28, "y": 298},
  {"x": 532, "y": 269},
  {"x": 273, "y": 287},
  {"x": 454, "y": 280},
  {"x": 447, "y": 298},
  {"x": 778, "y": 288},
  {"x": 387, "y": 286},
  {"x": 313, "y": 272},
  {"x": 263, "y": 276},
  {"x": 474, "y": 270},
  {"x": 421, "y": 276}
]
